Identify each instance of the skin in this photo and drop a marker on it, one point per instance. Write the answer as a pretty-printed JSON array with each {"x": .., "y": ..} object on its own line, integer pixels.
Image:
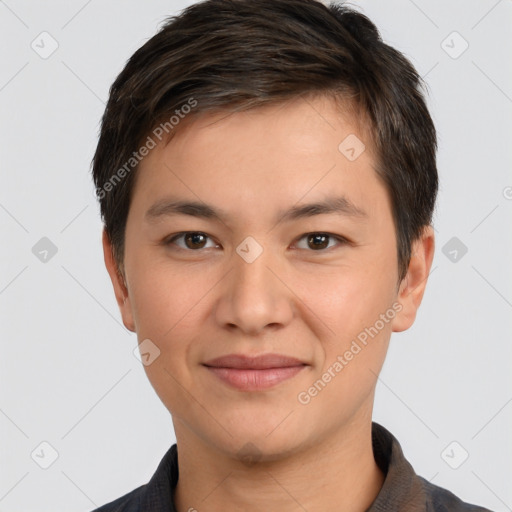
[{"x": 196, "y": 304}]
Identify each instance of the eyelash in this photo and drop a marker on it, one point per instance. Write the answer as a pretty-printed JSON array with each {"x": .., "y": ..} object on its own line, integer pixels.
[{"x": 341, "y": 240}]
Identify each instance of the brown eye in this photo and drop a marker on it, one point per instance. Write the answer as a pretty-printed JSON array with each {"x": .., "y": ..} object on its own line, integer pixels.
[
  {"x": 192, "y": 240},
  {"x": 318, "y": 241},
  {"x": 195, "y": 240}
]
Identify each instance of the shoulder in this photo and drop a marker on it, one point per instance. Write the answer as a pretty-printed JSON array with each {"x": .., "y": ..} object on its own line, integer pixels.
[
  {"x": 439, "y": 499},
  {"x": 405, "y": 491},
  {"x": 130, "y": 502},
  {"x": 156, "y": 495}
]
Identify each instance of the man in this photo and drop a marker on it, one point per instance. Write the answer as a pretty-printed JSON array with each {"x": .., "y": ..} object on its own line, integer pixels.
[{"x": 267, "y": 175}]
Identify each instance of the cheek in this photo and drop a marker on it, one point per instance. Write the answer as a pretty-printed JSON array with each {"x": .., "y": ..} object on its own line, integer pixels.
[
  {"x": 166, "y": 305},
  {"x": 354, "y": 346},
  {"x": 346, "y": 298},
  {"x": 164, "y": 297},
  {"x": 355, "y": 307}
]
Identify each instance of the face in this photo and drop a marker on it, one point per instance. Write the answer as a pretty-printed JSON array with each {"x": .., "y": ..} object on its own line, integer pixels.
[{"x": 252, "y": 270}]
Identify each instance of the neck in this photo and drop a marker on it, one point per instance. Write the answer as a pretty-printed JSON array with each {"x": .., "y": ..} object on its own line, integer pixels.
[{"x": 339, "y": 474}]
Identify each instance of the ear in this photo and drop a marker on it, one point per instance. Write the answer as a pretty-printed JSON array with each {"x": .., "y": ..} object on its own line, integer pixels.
[
  {"x": 119, "y": 284},
  {"x": 413, "y": 285}
]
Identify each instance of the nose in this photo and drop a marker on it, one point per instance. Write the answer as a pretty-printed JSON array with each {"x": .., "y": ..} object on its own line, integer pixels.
[{"x": 254, "y": 295}]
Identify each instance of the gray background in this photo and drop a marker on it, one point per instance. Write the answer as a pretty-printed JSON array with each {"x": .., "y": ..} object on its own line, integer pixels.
[{"x": 68, "y": 376}]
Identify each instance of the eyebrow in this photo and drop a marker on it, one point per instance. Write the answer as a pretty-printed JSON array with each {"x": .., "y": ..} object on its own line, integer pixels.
[{"x": 331, "y": 205}]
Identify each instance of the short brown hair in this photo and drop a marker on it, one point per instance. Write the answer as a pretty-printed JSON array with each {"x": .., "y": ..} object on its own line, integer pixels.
[{"x": 233, "y": 55}]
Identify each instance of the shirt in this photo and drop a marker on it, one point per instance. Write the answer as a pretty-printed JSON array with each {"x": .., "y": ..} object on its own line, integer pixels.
[{"x": 402, "y": 491}]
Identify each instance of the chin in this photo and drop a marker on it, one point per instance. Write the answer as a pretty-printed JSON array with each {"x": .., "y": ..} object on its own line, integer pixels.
[{"x": 262, "y": 442}]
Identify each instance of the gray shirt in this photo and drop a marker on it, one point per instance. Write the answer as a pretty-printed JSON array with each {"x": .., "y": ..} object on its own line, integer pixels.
[{"x": 402, "y": 491}]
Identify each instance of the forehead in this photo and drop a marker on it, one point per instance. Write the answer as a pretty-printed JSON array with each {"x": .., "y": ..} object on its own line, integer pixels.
[
  {"x": 303, "y": 148},
  {"x": 309, "y": 121}
]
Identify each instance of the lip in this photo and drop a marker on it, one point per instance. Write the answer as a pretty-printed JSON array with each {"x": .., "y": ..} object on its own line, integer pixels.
[
  {"x": 254, "y": 373},
  {"x": 263, "y": 362}
]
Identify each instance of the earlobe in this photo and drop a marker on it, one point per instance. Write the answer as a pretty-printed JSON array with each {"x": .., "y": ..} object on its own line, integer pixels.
[
  {"x": 413, "y": 285},
  {"x": 118, "y": 282}
]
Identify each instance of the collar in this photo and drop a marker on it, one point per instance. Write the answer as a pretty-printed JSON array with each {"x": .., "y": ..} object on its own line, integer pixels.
[{"x": 402, "y": 490}]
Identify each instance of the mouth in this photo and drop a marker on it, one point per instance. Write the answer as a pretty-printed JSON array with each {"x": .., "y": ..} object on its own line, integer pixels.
[{"x": 254, "y": 373}]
